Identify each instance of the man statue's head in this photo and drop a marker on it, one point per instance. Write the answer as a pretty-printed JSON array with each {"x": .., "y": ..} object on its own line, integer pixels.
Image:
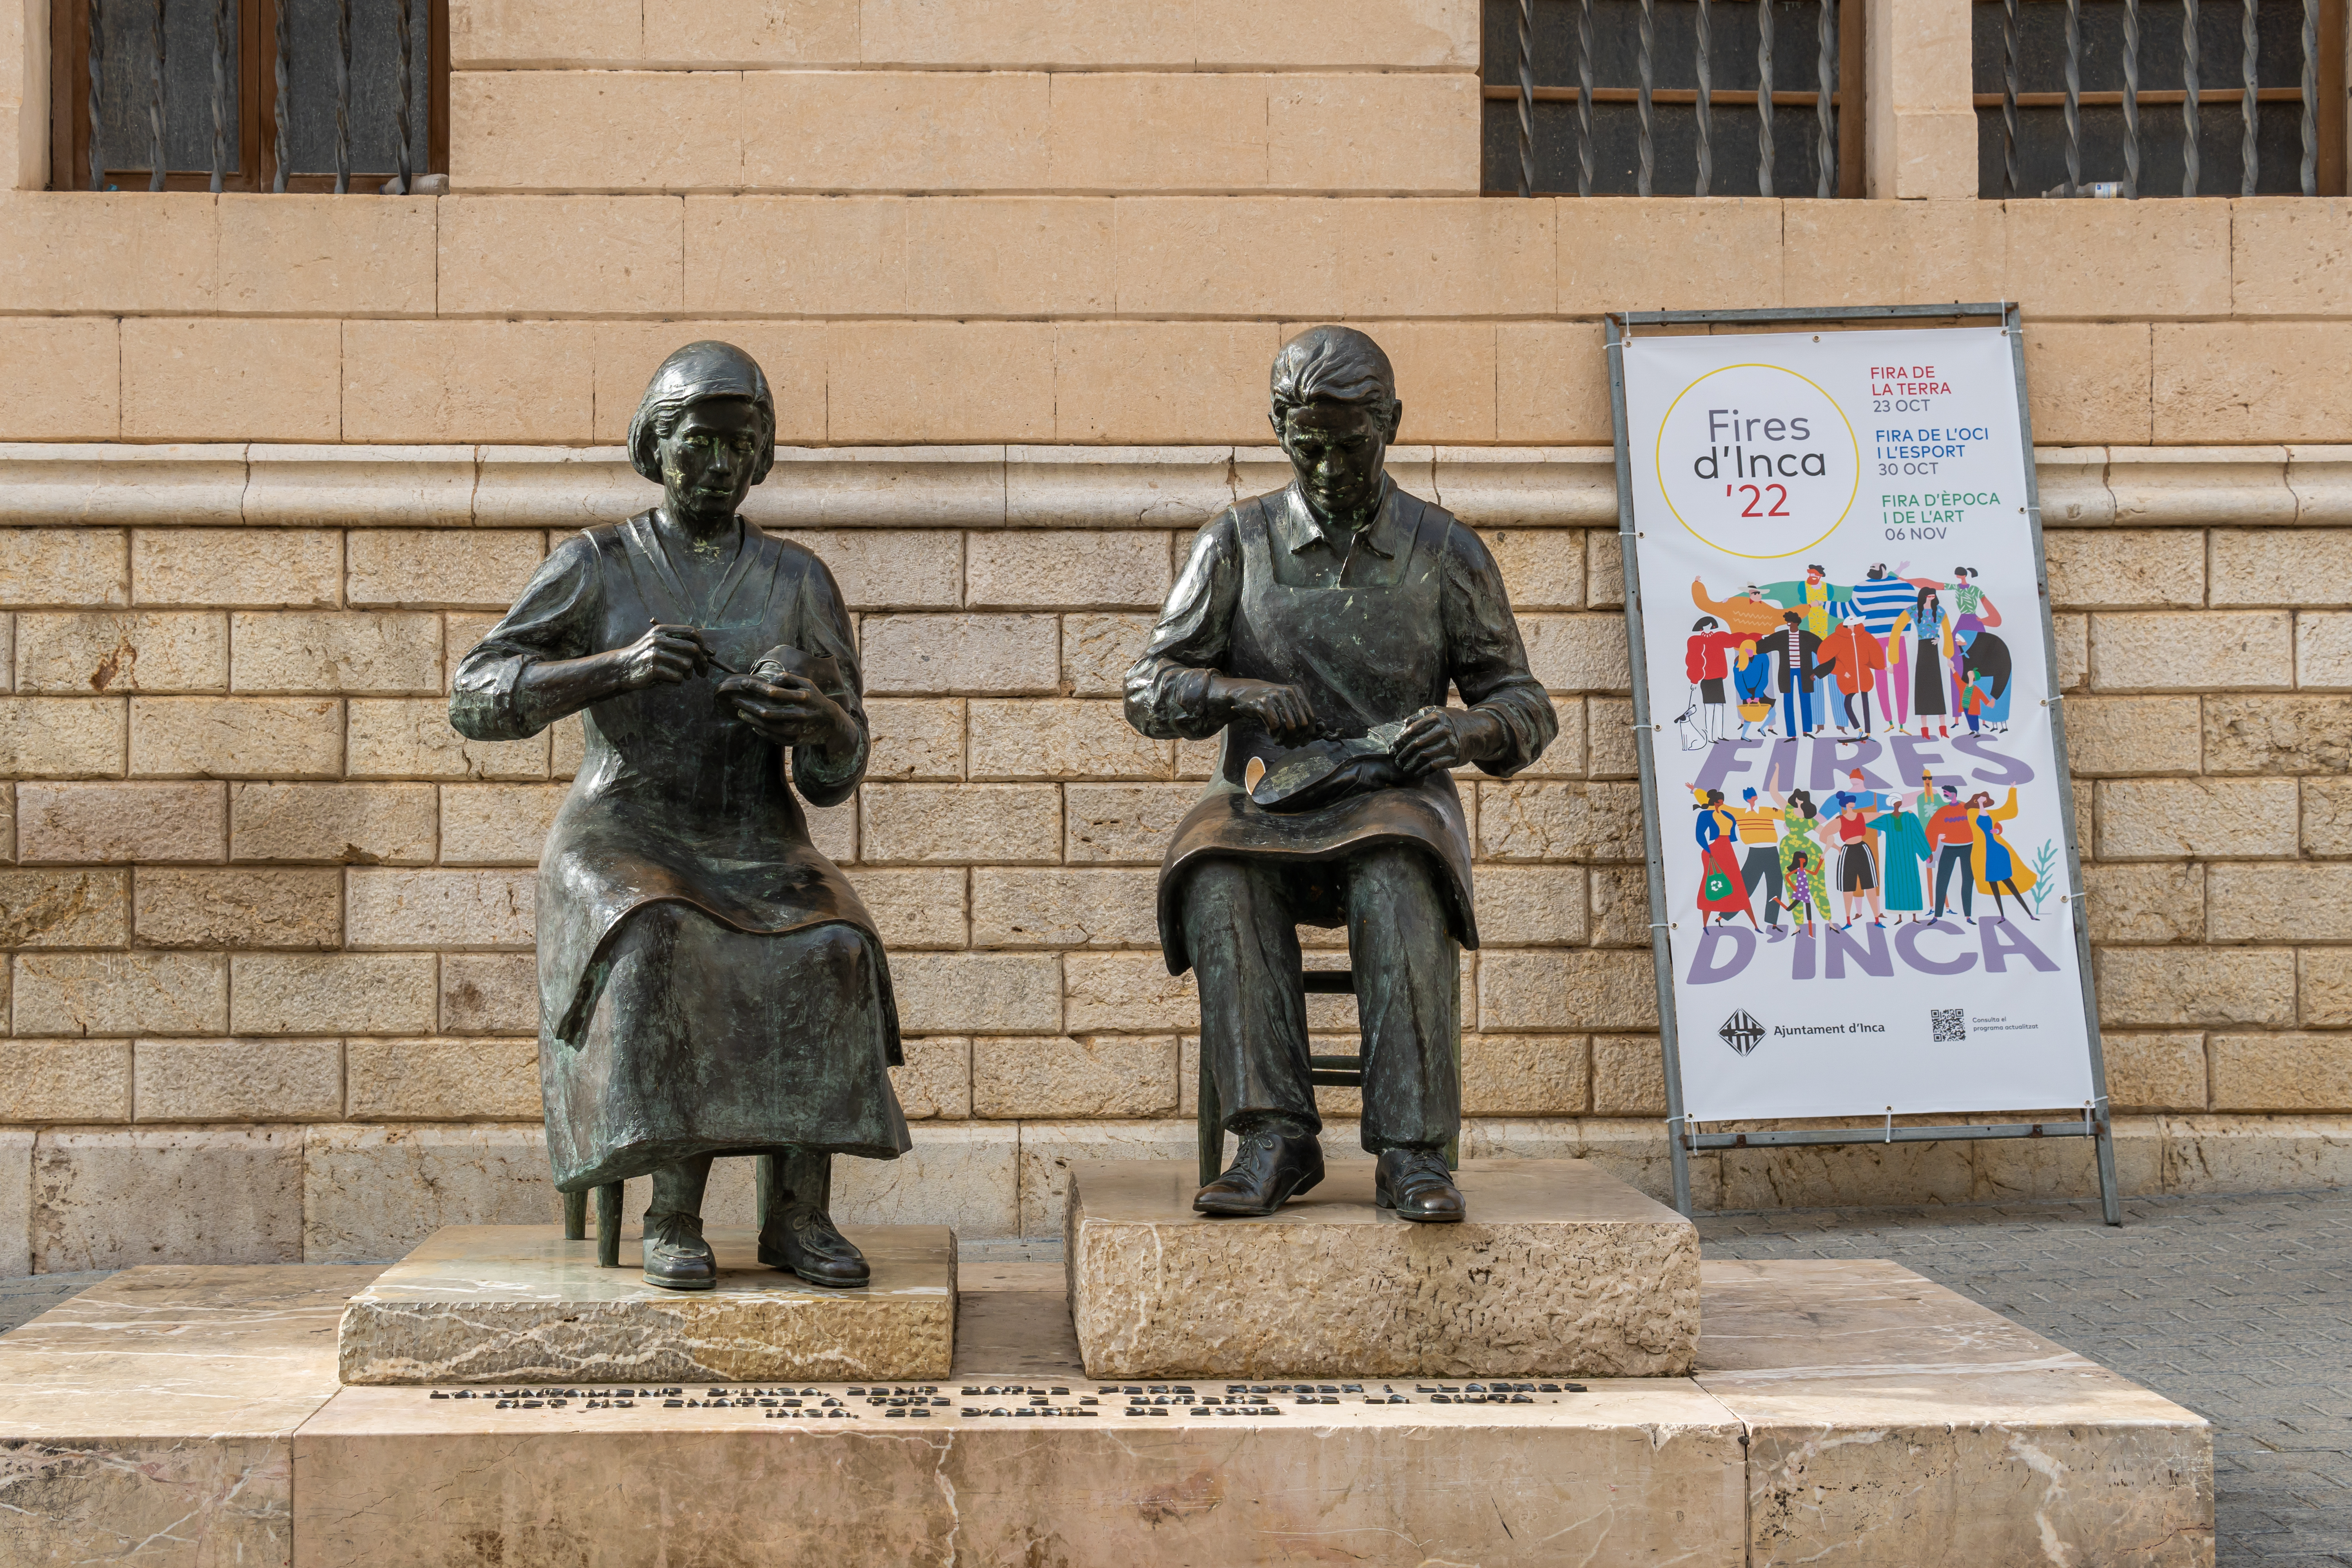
[
  {"x": 705, "y": 430},
  {"x": 1336, "y": 411}
]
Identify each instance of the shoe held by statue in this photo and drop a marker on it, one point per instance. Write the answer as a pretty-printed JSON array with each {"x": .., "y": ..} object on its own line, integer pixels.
[
  {"x": 1416, "y": 1183},
  {"x": 1267, "y": 1171},
  {"x": 676, "y": 1258},
  {"x": 801, "y": 1238}
]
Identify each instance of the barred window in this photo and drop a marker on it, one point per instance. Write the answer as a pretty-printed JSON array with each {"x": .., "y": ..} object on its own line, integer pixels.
[
  {"x": 1662, "y": 98},
  {"x": 247, "y": 95},
  {"x": 2092, "y": 97}
]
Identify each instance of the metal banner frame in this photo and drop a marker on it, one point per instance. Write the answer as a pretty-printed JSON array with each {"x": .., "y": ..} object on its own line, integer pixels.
[{"x": 1682, "y": 1135}]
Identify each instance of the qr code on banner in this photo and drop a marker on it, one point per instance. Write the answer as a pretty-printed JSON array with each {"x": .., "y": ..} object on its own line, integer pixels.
[{"x": 1951, "y": 1022}]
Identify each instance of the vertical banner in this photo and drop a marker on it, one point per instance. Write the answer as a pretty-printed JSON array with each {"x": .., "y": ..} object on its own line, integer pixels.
[{"x": 1865, "y": 834}]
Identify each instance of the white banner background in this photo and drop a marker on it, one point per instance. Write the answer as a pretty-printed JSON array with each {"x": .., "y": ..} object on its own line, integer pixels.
[{"x": 1755, "y": 457}]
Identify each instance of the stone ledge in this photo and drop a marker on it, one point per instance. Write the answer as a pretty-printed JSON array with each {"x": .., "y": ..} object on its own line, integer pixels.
[{"x": 994, "y": 485}]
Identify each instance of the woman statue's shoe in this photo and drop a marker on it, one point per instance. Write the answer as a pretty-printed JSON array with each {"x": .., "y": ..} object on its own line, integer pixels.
[
  {"x": 676, "y": 1258},
  {"x": 801, "y": 1238}
]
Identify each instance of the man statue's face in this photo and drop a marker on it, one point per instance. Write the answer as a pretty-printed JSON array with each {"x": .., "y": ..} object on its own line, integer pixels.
[
  {"x": 1337, "y": 449},
  {"x": 709, "y": 459}
]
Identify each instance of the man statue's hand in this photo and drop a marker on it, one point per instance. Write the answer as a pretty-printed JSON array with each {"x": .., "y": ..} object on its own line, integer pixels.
[
  {"x": 1439, "y": 738},
  {"x": 789, "y": 711},
  {"x": 1282, "y": 711}
]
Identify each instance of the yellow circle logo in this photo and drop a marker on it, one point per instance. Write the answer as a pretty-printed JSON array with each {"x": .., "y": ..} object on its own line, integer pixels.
[{"x": 1757, "y": 461}]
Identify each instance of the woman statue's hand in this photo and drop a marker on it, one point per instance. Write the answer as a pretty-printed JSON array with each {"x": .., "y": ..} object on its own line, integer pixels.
[
  {"x": 665, "y": 655},
  {"x": 790, "y": 710}
]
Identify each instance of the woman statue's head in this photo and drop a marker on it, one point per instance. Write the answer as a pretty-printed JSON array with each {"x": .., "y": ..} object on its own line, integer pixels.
[{"x": 705, "y": 430}]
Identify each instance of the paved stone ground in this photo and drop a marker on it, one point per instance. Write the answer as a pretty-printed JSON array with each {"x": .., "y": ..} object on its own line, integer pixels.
[{"x": 2239, "y": 1308}]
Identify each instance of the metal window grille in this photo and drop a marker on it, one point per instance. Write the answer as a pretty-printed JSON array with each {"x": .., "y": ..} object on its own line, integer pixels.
[
  {"x": 247, "y": 95},
  {"x": 1641, "y": 98},
  {"x": 2160, "y": 98}
]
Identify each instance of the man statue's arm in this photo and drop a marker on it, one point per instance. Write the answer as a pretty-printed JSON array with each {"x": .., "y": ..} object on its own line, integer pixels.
[{"x": 1178, "y": 689}]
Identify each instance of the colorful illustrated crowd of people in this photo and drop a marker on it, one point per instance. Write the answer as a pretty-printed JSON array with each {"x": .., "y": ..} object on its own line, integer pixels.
[
  {"x": 1873, "y": 848},
  {"x": 1820, "y": 651}
]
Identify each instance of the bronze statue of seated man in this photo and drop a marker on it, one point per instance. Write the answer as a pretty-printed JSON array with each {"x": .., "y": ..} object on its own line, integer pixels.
[{"x": 1319, "y": 628}]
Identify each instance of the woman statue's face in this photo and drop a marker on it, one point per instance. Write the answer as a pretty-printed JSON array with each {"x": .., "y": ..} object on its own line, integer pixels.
[{"x": 710, "y": 459}]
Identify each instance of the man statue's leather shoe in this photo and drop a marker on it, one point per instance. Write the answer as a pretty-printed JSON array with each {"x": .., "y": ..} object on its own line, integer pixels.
[
  {"x": 676, "y": 1258},
  {"x": 800, "y": 1239},
  {"x": 1416, "y": 1183},
  {"x": 1269, "y": 1170}
]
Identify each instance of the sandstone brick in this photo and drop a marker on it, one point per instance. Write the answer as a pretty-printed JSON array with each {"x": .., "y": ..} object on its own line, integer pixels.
[
  {"x": 622, "y": 256},
  {"x": 1552, "y": 990},
  {"x": 2147, "y": 819},
  {"x": 489, "y": 993},
  {"x": 1604, "y": 570},
  {"x": 940, "y": 381},
  {"x": 313, "y": 254},
  {"x": 915, "y": 907},
  {"x": 1054, "y": 1075},
  {"x": 237, "y": 737},
  {"x": 64, "y": 1080},
  {"x": 1529, "y": 906},
  {"x": 1200, "y": 759},
  {"x": 1524, "y": 1075},
  {"x": 2131, "y": 736},
  {"x": 2162, "y": 902},
  {"x": 2278, "y": 902},
  {"x": 916, "y": 738},
  {"x": 239, "y": 907},
  {"x": 2323, "y": 651},
  {"x": 348, "y": 993},
  {"x": 892, "y": 568},
  {"x": 2326, "y": 816},
  {"x": 260, "y": 568},
  {"x": 2323, "y": 987},
  {"x": 1577, "y": 652},
  {"x": 1062, "y": 739},
  {"x": 2237, "y": 382},
  {"x": 1551, "y": 382},
  {"x": 61, "y": 408},
  {"x": 468, "y": 381},
  {"x": 372, "y": 1193},
  {"x": 1107, "y": 991},
  {"x": 941, "y": 993},
  {"x": 1072, "y": 568},
  {"x": 382, "y": 654},
  {"x": 79, "y": 654},
  {"x": 394, "y": 737},
  {"x": 78, "y": 822},
  {"x": 159, "y": 1194},
  {"x": 1620, "y": 906},
  {"x": 1019, "y": 824},
  {"x": 2216, "y": 651},
  {"x": 2071, "y": 650},
  {"x": 595, "y": 130},
  {"x": 1115, "y": 130},
  {"x": 833, "y": 831},
  {"x": 337, "y": 823},
  {"x": 1848, "y": 253},
  {"x": 64, "y": 908},
  {"x": 2155, "y": 1072},
  {"x": 1010, "y": 256},
  {"x": 1058, "y": 909},
  {"x": 2288, "y": 257},
  {"x": 981, "y": 656},
  {"x": 1390, "y": 35},
  {"x": 2281, "y": 566},
  {"x": 2090, "y": 382},
  {"x": 122, "y": 993},
  {"x": 2081, "y": 262},
  {"x": 1609, "y": 738},
  {"x": 1539, "y": 821},
  {"x": 440, "y": 568},
  {"x": 389, "y": 907},
  {"x": 63, "y": 566},
  {"x": 2282, "y": 1072},
  {"x": 443, "y": 1080},
  {"x": 205, "y": 378},
  {"x": 1629, "y": 1076},
  {"x": 1343, "y": 132},
  {"x": 1125, "y": 824},
  {"x": 2163, "y": 987},
  {"x": 927, "y": 130},
  {"x": 1162, "y": 380},
  {"x": 62, "y": 737},
  {"x": 2132, "y": 569},
  {"x": 1543, "y": 568},
  {"x": 497, "y": 824},
  {"x": 840, "y": 256},
  {"x": 935, "y": 1084},
  {"x": 239, "y": 1080},
  {"x": 2278, "y": 734}
]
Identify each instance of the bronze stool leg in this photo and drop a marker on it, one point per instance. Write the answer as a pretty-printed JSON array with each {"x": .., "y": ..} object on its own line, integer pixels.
[
  {"x": 575, "y": 1216},
  {"x": 608, "y": 1226}
]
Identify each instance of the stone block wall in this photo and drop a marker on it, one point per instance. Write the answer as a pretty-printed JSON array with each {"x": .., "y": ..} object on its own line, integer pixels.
[{"x": 270, "y": 986}]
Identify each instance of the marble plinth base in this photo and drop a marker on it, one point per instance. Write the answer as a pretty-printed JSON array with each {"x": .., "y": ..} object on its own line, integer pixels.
[
  {"x": 515, "y": 1303},
  {"x": 1559, "y": 1269},
  {"x": 1841, "y": 1413}
]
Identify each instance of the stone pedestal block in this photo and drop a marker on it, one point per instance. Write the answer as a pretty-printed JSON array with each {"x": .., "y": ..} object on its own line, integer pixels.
[
  {"x": 1559, "y": 1270},
  {"x": 511, "y": 1303}
]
